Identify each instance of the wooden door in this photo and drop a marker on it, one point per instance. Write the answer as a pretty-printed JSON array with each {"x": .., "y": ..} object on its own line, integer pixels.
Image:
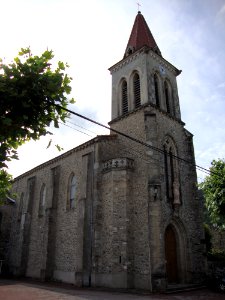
[{"x": 171, "y": 255}]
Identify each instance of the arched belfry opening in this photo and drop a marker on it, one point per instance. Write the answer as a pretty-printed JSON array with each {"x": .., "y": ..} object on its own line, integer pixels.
[
  {"x": 157, "y": 93},
  {"x": 137, "y": 90},
  {"x": 167, "y": 97},
  {"x": 124, "y": 97}
]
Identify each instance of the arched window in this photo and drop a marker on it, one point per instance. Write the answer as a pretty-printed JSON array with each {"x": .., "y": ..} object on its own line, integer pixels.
[
  {"x": 171, "y": 173},
  {"x": 167, "y": 96},
  {"x": 72, "y": 191},
  {"x": 20, "y": 210},
  {"x": 156, "y": 84},
  {"x": 137, "y": 90},
  {"x": 42, "y": 202},
  {"x": 124, "y": 98}
]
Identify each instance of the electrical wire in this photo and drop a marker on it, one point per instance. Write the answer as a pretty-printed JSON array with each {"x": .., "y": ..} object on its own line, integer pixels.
[
  {"x": 131, "y": 150},
  {"x": 81, "y": 127},
  {"x": 75, "y": 129},
  {"x": 131, "y": 138}
]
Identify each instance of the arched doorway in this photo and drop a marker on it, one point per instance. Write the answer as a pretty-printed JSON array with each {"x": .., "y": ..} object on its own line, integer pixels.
[{"x": 171, "y": 255}]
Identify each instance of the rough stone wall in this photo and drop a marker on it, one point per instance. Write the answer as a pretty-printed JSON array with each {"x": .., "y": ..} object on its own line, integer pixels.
[
  {"x": 146, "y": 63},
  {"x": 111, "y": 255},
  {"x": 58, "y": 228},
  {"x": 125, "y": 70},
  {"x": 115, "y": 234},
  {"x": 155, "y": 64},
  {"x": 17, "y": 228},
  {"x": 7, "y": 212},
  {"x": 153, "y": 126},
  {"x": 138, "y": 213}
]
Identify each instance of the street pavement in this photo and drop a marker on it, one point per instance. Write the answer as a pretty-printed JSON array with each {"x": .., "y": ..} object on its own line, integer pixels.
[{"x": 32, "y": 290}]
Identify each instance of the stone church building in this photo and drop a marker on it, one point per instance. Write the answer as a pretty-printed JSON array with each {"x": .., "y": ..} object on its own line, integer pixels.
[{"x": 118, "y": 211}]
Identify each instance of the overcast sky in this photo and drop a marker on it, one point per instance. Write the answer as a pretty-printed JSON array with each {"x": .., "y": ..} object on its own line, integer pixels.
[{"x": 92, "y": 35}]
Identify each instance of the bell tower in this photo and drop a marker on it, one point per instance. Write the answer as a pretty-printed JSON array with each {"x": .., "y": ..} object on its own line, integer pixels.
[
  {"x": 143, "y": 76},
  {"x": 164, "y": 215}
]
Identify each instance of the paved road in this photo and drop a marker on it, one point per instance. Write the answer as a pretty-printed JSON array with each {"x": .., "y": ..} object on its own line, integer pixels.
[{"x": 24, "y": 290}]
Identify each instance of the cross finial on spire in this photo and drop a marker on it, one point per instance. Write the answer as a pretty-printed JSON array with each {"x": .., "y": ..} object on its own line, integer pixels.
[{"x": 138, "y": 4}]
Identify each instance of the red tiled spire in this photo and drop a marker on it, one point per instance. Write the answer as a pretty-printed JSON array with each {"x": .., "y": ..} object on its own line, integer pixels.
[{"x": 140, "y": 36}]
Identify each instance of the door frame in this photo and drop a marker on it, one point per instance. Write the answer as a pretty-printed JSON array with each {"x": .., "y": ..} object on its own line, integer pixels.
[
  {"x": 171, "y": 256},
  {"x": 181, "y": 248}
]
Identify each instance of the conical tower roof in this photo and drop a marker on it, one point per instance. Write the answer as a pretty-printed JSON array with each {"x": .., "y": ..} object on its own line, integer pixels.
[{"x": 140, "y": 36}]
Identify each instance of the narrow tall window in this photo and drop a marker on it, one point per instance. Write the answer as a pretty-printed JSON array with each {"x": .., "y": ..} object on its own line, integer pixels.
[
  {"x": 20, "y": 211},
  {"x": 167, "y": 98},
  {"x": 166, "y": 172},
  {"x": 124, "y": 98},
  {"x": 42, "y": 200},
  {"x": 171, "y": 166},
  {"x": 171, "y": 173},
  {"x": 156, "y": 84},
  {"x": 137, "y": 91},
  {"x": 72, "y": 192}
]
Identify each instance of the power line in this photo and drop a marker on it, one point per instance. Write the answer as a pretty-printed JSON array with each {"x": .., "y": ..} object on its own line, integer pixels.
[
  {"x": 131, "y": 150},
  {"x": 81, "y": 127},
  {"x": 75, "y": 129},
  {"x": 132, "y": 138}
]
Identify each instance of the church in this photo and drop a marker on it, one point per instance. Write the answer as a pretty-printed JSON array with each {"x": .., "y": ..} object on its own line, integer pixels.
[{"x": 120, "y": 210}]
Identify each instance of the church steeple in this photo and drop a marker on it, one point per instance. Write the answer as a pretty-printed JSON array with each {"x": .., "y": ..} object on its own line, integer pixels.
[
  {"x": 143, "y": 76},
  {"x": 140, "y": 36}
]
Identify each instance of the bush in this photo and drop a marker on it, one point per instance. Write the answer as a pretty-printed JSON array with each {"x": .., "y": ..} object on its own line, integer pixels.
[{"x": 216, "y": 255}]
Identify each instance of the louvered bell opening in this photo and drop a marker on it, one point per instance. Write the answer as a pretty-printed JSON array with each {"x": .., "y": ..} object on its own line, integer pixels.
[
  {"x": 137, "y": 91},
  {"x": 167, "y": 97},
  {"x": 124, "y": 98},
  {"x": 156, "y": 90}
]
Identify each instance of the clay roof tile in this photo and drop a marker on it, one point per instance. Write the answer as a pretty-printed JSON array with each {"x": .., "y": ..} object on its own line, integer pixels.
[{"x": 140, "y": 36}]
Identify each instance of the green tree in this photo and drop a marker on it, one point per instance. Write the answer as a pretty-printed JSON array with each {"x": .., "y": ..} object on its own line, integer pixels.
[
  {"x": 30, "y": 90},
  {"x": 214, "y": 191},
  {"x": 5, "y": 184}
]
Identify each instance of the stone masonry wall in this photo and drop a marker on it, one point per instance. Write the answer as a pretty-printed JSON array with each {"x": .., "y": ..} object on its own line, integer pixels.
[
  {"x": 118, "y": 223},
  {"x": 189, "y": 213},
  {"x": 69, "y": 225}
]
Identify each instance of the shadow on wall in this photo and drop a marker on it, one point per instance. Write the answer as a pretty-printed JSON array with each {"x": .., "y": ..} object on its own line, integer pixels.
[{"x": 6, "y": 214}]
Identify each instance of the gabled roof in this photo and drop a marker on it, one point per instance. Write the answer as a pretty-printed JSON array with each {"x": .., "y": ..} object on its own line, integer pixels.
[{"x": 140, "y": 36}]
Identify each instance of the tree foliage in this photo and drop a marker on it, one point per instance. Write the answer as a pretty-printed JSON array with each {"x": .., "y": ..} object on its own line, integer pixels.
[
  {"x": 30, "y": 89},
  {"x": 214, "y": 191},
  {"x": 5, "y": 185}
]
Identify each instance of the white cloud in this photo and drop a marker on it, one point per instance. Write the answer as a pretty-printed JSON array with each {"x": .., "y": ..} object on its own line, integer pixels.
[{"x": 92, "y": 35}]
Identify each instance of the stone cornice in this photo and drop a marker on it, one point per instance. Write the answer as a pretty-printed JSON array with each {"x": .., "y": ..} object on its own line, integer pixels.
[
  {"x": 121, "y": 163},
  {"x": 163, "y": 62},
  {"x": 144, "y": 50},
  {"x": 126, "y": 60},
  {"x": 140, "y": 108}
]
